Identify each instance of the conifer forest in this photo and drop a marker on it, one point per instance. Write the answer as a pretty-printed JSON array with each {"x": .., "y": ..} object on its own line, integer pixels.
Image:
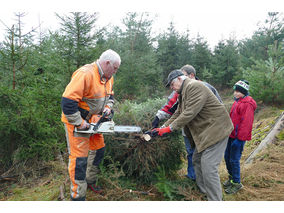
[{"x": 36, "y": 66}]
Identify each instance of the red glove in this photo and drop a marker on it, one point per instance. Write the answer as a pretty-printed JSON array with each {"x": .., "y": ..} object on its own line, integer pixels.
[{"x": 162, "y": 131}]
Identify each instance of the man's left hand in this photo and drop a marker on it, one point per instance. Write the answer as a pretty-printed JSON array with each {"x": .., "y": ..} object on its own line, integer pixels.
[
  {"x": 162, "y": 131},
  {"x": 107, "y": 111}
]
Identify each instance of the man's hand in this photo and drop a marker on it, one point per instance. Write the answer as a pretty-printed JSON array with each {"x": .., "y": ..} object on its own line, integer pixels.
[
  {"x": 162, "y": 131},
  {"x": 107, "y": 111},
  {"x": 84, "y": 125},
  {"x": 155, "y": 122}
]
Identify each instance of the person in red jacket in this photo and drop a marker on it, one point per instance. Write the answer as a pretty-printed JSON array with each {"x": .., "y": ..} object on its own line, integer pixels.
[{"x": 242, "y": 116}]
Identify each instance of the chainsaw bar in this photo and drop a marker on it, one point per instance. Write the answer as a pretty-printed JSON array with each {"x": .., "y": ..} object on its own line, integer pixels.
[
  {"x": 108, "y": 128},
  {"x": 126, "y": 129}
]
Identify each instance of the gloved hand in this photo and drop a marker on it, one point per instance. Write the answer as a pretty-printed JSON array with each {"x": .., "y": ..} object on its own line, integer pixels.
[
  {"x": 155, "y": 122},
  {"x": 84, "y": 125},
  {"x": 162, "y": 131},
  {"x": 107, "y": 111}
]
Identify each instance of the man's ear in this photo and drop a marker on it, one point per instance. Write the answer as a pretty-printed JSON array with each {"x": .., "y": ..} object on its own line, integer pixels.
[{"x": 191, "y": 75}]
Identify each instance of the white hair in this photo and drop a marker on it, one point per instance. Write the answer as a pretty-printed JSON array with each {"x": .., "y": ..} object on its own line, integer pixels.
[
  {"x": 182, "y": 77},
  {"x": 110, "y": 55}
]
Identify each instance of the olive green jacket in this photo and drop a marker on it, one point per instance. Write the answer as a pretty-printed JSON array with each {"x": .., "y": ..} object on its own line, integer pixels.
[{"x": 205, "y": 120}]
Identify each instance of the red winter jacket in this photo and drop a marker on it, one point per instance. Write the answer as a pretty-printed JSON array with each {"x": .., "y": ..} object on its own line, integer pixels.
[
  {"x": 169, "y": 108},
  {"x": 242, "y": 115}
]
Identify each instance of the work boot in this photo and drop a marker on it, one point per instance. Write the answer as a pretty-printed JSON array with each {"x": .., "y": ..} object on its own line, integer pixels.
[
  {"x": 227, "y": 184},
  {"x": 95, "y": 188},
  {"x": 234, "y": 188}
]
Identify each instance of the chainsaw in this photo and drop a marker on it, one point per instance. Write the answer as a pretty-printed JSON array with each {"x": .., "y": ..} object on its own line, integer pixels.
[{"x": 106, "y": 125}]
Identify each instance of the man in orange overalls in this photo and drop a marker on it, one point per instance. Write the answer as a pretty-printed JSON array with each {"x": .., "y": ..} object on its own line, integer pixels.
[{"x": 86, "y": 97}]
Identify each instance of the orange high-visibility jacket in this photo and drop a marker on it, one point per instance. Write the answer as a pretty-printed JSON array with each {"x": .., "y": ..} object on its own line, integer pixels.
[{"x": 87, "y": 94}]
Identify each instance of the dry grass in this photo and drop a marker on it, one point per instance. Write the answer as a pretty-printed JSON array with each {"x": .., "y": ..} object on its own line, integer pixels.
[{"x": 263, "y": 180}]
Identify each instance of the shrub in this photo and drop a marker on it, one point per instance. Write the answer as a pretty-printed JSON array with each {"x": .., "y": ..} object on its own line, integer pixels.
[
  {"x": 30, "y": 122},
  {"x": 266, "y": 77},
  {"x": 140, "y": 159}
]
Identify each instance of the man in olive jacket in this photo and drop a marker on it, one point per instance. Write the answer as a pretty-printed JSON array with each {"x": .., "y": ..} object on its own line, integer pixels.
[{"x": 206, "y": 123}]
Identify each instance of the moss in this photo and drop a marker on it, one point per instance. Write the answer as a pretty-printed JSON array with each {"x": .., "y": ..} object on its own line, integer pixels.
[
  {"x": 280, "y": 136},
  {"x": 42, "y": 192}
]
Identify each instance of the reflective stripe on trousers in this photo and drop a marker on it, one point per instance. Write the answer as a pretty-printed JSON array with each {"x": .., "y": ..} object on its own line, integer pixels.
[{"x": 78, "y": 148}]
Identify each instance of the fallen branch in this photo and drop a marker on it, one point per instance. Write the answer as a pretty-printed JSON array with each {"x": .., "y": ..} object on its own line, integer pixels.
[
  {"x": 11, "y": 178},
  {"x": 63, "y": 185},
  {"x": 142, "y": 192},
  {"x": 279, "y": 125},
  {"x": 15, "y": 176},
  {"x": 62, "y": 192},
  {"x": 46, "y": 182}
]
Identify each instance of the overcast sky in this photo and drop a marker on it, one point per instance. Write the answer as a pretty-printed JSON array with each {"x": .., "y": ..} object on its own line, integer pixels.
[{"x": 213, "y": 20}]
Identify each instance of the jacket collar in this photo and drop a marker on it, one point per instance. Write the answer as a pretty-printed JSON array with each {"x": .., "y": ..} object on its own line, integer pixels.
[
  {"x": 100, "y": 69},
  {"x": 101, "y": 72},
  {"x": 240, "y": 99},
  {"x": 182, "y": 85}
]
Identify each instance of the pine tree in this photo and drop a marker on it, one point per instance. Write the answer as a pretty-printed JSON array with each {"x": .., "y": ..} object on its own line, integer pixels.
[
  {"x": 78, "y": 38},
  {"x": 266, "y": 77},
  {"x": 201, "y": 58},
  {"x": 139, "y": 75},
  {"x": 15, "y": 52},
  {"x": 225, "y": 63},
  {"x": 174, "y": 50},
  {"x": 269, "y": 32}
]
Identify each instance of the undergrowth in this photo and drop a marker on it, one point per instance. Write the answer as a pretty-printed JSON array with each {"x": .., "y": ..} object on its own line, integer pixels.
[{"x": 263, "y": 180}]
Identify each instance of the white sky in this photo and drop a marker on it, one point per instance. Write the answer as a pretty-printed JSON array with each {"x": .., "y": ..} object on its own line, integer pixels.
[{"x": 214, "y": 20}]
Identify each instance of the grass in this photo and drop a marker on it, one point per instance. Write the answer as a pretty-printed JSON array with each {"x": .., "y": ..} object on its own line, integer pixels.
[
  {"x": 42, "y": 185},
  {"x": 263, "y": 180}
]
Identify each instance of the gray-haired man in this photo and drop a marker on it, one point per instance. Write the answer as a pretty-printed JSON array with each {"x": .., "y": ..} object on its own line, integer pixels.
[{"x": 206, "y": 123}]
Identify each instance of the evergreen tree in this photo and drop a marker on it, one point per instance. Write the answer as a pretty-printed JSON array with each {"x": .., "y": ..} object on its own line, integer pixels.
[
  {"x": 46, "y": 60},
  {"x": 266, "y": 77},
  {"x": 225, "y": 63},
  {"x": 185, "y": 49},
  {"x": 15, "y": 53},
  {"x": 139, "y": 76},
  {"x": 174, "y": 50},
  {"x": 168, "y": 50},
  {"x": 256, "y": 48},
  {"x": 201, "y": 58},
  {"x": 78, "y": 37}
]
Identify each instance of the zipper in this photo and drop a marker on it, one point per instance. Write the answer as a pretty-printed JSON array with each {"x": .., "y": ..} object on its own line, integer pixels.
[
  {"x": 234, "y": 107},
  {"x": 103, "y": 106},
  {"x": 236, "y": 131}
]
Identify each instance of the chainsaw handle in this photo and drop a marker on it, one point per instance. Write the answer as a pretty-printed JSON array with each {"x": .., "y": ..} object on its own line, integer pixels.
[{"x": 104, "y": 118}]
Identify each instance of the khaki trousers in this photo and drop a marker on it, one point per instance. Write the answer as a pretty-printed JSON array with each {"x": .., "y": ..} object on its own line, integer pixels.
[{"x": 206, "y": 165}]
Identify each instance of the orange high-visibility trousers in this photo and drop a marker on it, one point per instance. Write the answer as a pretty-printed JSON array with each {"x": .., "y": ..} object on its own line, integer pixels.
[{"x": 78, "y": 148}]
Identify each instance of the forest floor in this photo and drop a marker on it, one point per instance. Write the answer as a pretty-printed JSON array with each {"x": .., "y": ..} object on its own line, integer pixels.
[{"x": 263, "y": 180}]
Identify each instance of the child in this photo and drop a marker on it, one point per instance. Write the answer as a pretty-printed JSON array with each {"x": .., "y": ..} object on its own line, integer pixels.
[{"x": 242, "y": 115}]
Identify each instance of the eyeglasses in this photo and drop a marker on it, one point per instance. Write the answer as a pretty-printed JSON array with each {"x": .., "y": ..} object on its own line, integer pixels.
[{"x": 115, "y": 68}]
